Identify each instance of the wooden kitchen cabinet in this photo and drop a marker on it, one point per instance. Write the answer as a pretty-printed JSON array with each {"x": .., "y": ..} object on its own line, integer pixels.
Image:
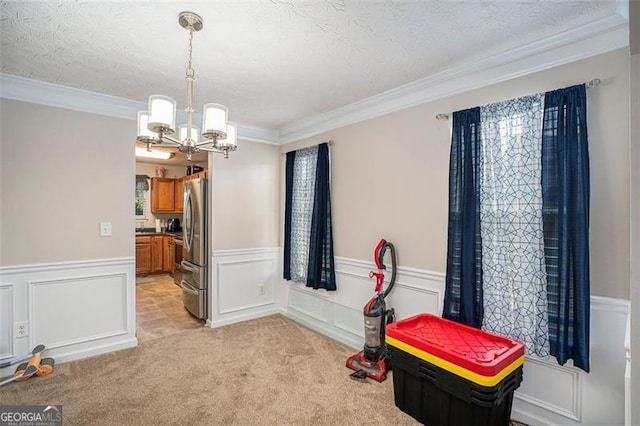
[
  {"x": 178, "y": 186},
  {"x": 163, "y": 198},
  {"x": 143, "y": 255},
  {"x": 169, "y": 254},
  {"x": 202, "y": 174},
  {"x": 157, "y": 255},
  {"x": 166, "y": 195}
]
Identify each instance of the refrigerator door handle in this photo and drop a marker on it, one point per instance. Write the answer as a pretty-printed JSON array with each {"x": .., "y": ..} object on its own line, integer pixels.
[
  {"x": 187, "y": 267},
  {"x": 186, "y": 287},
  {"x": 188, "y": 209}
]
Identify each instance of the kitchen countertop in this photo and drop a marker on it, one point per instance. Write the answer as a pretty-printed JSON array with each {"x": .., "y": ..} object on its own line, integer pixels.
[{"x": 152, "y": 232}]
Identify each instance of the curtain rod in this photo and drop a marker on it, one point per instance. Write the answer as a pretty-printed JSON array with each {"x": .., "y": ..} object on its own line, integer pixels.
[
  {"x": 591, "y": 83},
  {"x": 330, "y": 142}
]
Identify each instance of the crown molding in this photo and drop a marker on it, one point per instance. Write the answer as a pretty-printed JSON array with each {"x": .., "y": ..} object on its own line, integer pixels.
[
  {"x": 55, "y": 95},
  {"x": 600, "y": 36},
  {"x": 258, "y": 134},
  {"x": 595, "y": 38}
]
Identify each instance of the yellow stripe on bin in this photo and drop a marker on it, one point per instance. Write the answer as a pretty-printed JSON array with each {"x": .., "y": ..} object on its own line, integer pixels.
[{"x": 487, "y": 381}]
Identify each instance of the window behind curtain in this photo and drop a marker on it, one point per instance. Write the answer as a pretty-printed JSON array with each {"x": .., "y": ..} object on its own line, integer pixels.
[
  {"x": 304, "y": 182},
  {"x": 308, "y": 236}
]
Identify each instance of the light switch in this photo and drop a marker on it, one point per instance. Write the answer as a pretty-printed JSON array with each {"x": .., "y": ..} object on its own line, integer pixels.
[{"x": 105, "y": 229}]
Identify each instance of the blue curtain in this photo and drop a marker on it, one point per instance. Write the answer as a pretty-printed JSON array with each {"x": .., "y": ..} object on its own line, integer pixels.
[
  {"x": 463, "y": 292},
  {"x": 321, "y": 272},
  {"x": 288, "y": 204},
  {"x": 565, "y": 193}
]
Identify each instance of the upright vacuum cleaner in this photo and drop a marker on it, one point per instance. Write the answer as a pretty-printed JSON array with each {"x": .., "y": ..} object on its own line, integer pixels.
[{"x": 372, "y": 361}]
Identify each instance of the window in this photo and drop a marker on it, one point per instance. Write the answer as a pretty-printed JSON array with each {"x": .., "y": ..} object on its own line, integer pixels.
[
  {"x": 518, "y": 242},
  {"x": 142, "y": 188},
  {"x": 141, "y": 195},
  {"x": 308, "y": 247}
]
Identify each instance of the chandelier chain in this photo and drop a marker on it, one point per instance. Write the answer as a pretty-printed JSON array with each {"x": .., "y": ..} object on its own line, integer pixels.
[{"x": 190, "y": 46}]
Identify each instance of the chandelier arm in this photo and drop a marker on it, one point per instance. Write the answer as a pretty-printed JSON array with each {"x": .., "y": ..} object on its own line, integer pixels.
[
  {"x": 207, "y": 142},
  {"x": 171, "y": 140},
  {"x": 224, "y": 152}
]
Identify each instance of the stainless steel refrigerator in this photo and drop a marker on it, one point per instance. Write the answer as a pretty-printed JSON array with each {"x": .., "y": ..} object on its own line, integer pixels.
[{"x": 195, "y": 285}]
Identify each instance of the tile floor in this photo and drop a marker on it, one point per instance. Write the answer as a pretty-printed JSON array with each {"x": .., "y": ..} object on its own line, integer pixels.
[{"x": 159, "y": 309}]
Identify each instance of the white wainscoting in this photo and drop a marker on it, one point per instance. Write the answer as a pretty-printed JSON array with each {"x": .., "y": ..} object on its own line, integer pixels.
[
  {"x": 550, "y": 394},
  {"x": 338, "y": 314},
  {"x": 6, "y": 321},
  {"x": 75, "y": 309},
  {"x": 243, "y": 285}
]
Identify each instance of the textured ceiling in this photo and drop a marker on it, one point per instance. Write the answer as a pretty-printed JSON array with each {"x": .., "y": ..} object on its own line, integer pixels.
[{"x": 271, "y": 62}]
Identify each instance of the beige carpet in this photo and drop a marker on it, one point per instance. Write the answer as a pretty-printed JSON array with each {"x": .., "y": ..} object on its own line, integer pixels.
[{"x": 269, "y": 371}]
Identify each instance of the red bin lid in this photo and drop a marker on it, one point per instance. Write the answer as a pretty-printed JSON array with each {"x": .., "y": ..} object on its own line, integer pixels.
[{"x": 481, "y": 352}]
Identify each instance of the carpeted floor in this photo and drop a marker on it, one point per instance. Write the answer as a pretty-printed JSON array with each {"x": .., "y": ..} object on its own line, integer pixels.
[{"x": 267, "y": 371}]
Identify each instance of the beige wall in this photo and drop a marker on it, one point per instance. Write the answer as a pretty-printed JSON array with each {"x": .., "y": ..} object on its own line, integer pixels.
[
  {"x": 62, "y": 173},
  {"x": 245, "y": 197},
  {"x": 390, "y": 174}
]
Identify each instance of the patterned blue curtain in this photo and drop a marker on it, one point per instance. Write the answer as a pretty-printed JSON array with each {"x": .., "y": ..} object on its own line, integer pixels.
[
  {"x": 463, "y": 292},
  {"x": 515, "y": 286},
  {"x": 308, "y": 245},
  {"x": 321, "y": 272},
  {"x": 565, "y": 190}
]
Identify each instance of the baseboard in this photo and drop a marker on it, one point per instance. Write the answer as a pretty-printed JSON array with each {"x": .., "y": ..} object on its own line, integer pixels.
[
  {"x": 243, "y": 317},
  {"x": 95, "y": 350}
]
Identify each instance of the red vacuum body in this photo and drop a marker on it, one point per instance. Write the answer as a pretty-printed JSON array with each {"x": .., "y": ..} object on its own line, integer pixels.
[{"x": 372, "y": 360}]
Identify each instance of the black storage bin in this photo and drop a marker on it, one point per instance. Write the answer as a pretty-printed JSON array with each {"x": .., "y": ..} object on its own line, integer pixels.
[
  {"x": 434, "y": 396},
  {"x": 449, "y": 374}
]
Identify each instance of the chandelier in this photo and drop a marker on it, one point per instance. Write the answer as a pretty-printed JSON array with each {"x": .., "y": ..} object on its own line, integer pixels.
[{"x": 157, "y": 124}]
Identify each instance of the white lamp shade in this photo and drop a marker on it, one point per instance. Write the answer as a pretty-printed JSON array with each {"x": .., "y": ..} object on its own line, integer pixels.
[
  {"x": 214, "y": 120},
  {"x": 144, "y": 134},
  {"x": 162, "y": 114},
  {"x": 231, "y": 140},
  {"x": 182, "y": 133}
]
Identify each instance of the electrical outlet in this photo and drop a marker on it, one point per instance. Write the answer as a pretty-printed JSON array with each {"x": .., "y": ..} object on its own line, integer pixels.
[
  {"x": 261, "y": 290},
  {"x": 22, "y": 329}
]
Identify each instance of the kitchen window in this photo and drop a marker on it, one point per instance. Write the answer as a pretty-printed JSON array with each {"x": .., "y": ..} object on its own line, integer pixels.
[
  {"x": 142, "y": 188},
  {"x": 141, "y": 196}
]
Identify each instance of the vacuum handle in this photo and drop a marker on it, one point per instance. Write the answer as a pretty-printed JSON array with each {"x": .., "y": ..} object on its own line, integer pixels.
[
  {"x": 378, "y": 253},
  {"x": 394, "y": 272}
]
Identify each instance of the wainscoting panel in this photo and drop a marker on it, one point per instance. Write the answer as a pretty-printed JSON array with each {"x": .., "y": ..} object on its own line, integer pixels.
[
  {"x": 57, "y": 323},
  {"x": 550, "y": 394},
  {"x": 76, "y": 309},
  {"x": 6, "y": 321},
  {"x": 243, "y": 285},
  {"x": 562, "y": 398}
]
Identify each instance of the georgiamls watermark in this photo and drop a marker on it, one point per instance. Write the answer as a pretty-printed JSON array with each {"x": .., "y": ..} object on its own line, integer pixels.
[{"x": 30, "y": 415}]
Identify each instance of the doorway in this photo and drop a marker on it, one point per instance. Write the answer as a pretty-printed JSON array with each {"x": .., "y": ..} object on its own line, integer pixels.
[
  {"x": 159, "y": 310},
  {"x": 159, "y": 217}
]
